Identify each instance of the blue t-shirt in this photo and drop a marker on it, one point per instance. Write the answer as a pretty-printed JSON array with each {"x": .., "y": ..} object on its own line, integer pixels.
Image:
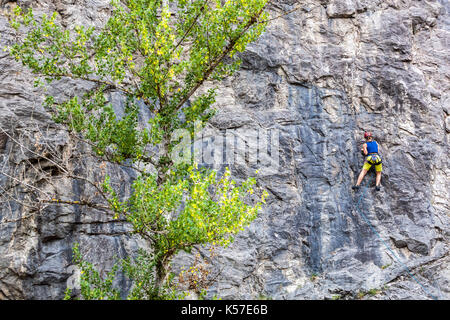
[{"x": 372, "y": 147}]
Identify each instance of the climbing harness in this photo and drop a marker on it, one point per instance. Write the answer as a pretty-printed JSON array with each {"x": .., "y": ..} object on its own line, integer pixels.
[
  {"x": 374, "y": 158},
  {"x": 388, "y": 247}
]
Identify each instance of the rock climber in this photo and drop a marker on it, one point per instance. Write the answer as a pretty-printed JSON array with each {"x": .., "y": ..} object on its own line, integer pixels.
[{"x": 370, "y": 151}]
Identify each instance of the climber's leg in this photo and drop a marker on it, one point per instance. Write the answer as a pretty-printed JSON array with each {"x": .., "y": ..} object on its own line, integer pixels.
[
  {"x": 378, "y": 169},
  {"x": 362, "y": 175}
]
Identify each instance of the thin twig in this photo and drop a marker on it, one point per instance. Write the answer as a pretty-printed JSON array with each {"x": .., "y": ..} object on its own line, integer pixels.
[
  {"x": 24, "y": 183},
  {"x": 35, "y": 153}
]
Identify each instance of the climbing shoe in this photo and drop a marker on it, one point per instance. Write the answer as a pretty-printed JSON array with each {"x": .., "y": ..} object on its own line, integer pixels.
[
  {"x": 377, "y": 188},
  {"x": 355, "y": 187}
]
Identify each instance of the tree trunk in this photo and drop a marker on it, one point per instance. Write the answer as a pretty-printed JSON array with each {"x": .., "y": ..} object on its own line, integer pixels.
[
  {"x": 162, "y": 273},
  {"x": 165, "y": 162}
]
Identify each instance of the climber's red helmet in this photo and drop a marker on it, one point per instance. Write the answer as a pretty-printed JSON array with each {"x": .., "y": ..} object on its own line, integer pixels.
[{"x": 367, "y": 135}]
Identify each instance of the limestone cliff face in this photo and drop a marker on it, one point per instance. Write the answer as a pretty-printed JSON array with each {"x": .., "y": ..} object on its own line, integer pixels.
[{"x": 318, "y": 77}]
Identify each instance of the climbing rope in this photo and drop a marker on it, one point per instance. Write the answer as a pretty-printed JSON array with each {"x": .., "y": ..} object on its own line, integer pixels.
[{"x": 388, "y": 247}]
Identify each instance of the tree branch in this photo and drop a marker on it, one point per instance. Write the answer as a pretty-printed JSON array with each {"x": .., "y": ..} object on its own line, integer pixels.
[{"x": 224, "y": 54}]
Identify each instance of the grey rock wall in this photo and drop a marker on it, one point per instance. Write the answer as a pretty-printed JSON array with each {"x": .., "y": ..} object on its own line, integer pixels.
[{"x": 318, "y": 77}]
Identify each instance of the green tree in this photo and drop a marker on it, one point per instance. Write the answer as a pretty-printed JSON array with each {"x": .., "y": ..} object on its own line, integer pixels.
[{"x": 160, "y": 53}]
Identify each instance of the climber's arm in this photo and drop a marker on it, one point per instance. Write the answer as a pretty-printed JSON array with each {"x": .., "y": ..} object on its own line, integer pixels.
[{"x": 364, "y": 149}]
